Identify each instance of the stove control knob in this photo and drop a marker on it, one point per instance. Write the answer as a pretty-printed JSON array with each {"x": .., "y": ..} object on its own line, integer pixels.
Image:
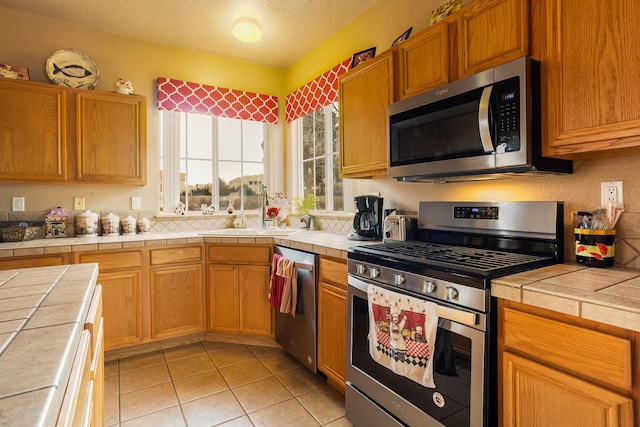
[
  {"x": 450, "y": 293},
  {"x": 429, "y": 287},
  {"x": 374, "y": 272},
  {"x": 398, "y": 279},
  {"x": 360, "y": 269}
]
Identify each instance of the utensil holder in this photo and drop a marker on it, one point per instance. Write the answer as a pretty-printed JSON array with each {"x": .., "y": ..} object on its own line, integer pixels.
[{"x": 595, "y": 248}]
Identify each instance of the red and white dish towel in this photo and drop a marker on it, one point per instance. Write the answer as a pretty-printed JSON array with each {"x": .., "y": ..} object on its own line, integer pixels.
[
  {"x": 402, "y": 333},
  {"x": 283, "y": 292}
]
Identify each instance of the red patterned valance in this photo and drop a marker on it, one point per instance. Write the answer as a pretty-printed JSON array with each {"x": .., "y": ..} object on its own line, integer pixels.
[
  {"x": 318, "y": 93},
  {"x": 188, "y": 97}
]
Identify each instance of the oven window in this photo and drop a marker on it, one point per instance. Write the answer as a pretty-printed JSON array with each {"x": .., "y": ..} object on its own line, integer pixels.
[{"x": 452, "y": 371}]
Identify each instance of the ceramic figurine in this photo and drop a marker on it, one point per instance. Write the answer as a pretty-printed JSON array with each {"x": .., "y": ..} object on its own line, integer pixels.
[
  {"x": 207, "y": 210},
  {"x": 180, "y": 208},
  {"x": 123, "y": 87}
]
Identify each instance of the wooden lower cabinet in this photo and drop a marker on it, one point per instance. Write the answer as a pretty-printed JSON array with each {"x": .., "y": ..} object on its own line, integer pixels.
[
  {"x": 176, "y": 291},
  {"x": 332, "y": 319},
  {"x": 565, "y": 371},
  {"x": 536, "y": 395},
  {"x": 120, "y": 274},
  {"x": 122, "y": 308},
  {"x": 177, "y": 303},
  {"x": 238, "y": 289}
]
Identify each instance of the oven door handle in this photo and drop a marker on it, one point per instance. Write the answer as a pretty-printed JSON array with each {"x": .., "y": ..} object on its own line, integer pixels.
[{"x": 459, "y": 316}]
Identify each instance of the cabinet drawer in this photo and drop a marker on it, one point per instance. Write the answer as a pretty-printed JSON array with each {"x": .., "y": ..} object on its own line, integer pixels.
[
  {"x": 240, "y": 254},
  {"x": 333, "y": 271},
  {"x": 601, "y": 357},
  {"x": 113, "y": 260},
  {"x": 176, "y": 255}
]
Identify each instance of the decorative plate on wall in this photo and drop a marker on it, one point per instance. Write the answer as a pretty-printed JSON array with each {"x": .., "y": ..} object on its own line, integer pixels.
[{"x": 72, "y": 68}]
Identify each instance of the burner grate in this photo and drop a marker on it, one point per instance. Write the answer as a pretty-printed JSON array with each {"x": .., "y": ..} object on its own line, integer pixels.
[{"x": 464, "y": 258}]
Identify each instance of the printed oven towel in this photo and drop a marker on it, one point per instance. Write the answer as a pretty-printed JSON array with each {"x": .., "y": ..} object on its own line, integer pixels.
[
  {"x": 283, "y": 291},
  {"x": 402, "y": 333}
]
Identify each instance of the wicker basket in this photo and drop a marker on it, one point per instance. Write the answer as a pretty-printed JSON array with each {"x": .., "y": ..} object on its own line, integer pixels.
[{"x": 18, "y": 231}]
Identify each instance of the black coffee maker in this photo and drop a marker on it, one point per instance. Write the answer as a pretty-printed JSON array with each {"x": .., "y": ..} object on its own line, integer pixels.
[{"x": 367, "y": 223}]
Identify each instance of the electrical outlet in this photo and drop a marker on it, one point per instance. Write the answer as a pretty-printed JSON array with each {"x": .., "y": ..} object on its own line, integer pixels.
[
  {"x": 135, "y": 202},
  {"x": 611, "y": 192},
  {"x": 78, "y": 203},
  {"x": 17, "y": 204}
]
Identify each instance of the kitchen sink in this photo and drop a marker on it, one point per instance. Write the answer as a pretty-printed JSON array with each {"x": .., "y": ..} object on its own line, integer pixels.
[{"x": 249, "y": 232}]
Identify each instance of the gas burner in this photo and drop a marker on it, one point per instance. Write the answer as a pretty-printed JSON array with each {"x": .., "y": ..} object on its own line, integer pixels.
[{"x": 482, "y": 260}]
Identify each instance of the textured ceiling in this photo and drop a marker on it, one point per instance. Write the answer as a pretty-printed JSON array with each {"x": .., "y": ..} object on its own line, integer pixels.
[{"x": 290, "y": 28}]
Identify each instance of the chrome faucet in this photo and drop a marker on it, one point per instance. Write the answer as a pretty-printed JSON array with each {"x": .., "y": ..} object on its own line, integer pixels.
[{"x": 264, "y": 205}]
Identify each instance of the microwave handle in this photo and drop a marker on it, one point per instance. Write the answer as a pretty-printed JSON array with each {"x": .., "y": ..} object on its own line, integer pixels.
[{"x": 483, "y": 120}]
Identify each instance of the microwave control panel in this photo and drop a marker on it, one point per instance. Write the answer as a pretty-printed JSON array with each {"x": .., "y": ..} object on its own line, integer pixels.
[{"x": 508, "y": 123}]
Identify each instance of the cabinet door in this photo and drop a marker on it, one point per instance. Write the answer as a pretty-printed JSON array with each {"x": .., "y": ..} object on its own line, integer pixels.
[
  {"x": 223, "y": 298},
  {"x": 255, "y": 311},
  {"x": 364, "y": 94},
  {"x": 33, "y": 132},
  {"x": 111, "y": 138},
  {"x": 491, "y": 32},
  {"x": 423, "y": 61},
  {"x": 177, "y": 304},
  {"x": 590, "y": 82},
  {"x": 536, "y": 395},
  {"x": 122, "y": 308},
  {"x": 332, "y": 327}
]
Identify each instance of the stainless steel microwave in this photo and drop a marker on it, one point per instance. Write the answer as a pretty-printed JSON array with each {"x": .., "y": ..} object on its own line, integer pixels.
[{"x": 482, "y": 126}]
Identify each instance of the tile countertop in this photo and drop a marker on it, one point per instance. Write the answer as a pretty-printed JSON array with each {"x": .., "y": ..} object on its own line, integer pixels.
[
  {"x": 320, "y": 242},
  {"x": 42, "y": 314},
  {"x": 605, "y": 295}
]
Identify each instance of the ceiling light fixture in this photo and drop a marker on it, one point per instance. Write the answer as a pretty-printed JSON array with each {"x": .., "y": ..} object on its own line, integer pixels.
[{"x": 247, "y": 30}]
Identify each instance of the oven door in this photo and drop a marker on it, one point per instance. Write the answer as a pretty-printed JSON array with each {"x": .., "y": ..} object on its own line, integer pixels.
[{"x": 374, "y": 392}]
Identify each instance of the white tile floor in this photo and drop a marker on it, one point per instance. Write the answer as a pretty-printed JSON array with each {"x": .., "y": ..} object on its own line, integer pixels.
[{"x": 218, "y": 384}]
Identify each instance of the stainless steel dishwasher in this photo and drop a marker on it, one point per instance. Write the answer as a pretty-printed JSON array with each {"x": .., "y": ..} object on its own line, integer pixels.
[{"x": 297, "y": 335}]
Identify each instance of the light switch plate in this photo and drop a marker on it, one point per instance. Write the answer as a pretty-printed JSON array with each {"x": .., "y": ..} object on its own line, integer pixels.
[
  {"x": 135, "y": 202},
  {"x": 17, "y": 204},
  {"x": 78, "y": 203}
]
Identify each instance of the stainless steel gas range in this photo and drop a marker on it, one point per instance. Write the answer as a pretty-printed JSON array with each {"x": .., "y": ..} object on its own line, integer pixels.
[{"x": 460, "y": 247}]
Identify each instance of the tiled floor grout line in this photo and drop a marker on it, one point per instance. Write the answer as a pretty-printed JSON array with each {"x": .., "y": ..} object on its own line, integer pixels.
[{"x": 273, "y": 371}]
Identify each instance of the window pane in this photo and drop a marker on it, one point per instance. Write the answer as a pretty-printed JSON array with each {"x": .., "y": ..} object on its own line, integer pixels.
[
  {"x": 199, "y": 136},
  {"x": 335, "y": 129},
  {"x": 308, "y": 177},
  {"x": 321, "y": 184},
  {"x": 338, "y": 187},
  {"x": 252, "y": 141},
  {"x": 307, "y": 137},
  {"x": 229, "y": 139},
  {"x": 319, "y": 132}
]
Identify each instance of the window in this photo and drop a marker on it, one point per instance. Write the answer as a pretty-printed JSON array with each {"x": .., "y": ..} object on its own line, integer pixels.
[
  {"x": 318, "y": 141},
  {"x": 211, "y": 160}
]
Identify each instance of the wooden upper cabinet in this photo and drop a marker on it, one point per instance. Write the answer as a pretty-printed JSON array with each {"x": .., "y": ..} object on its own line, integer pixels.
[
  {"x": 492, "y": 32},
  {"x": 589, "y": 77},
  {"x": 423, "y": 61},
  {"x": 364, "y": 93},
  {"x": 33, "y": 132},
  {"x": 111, "y": 140},
  {"x": 52, "y": 134}
]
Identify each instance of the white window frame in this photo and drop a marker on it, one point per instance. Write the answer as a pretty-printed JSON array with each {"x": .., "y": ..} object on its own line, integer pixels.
[
  {"x": 296, "y": 129},
  {"x": 170, "y": 130}
]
